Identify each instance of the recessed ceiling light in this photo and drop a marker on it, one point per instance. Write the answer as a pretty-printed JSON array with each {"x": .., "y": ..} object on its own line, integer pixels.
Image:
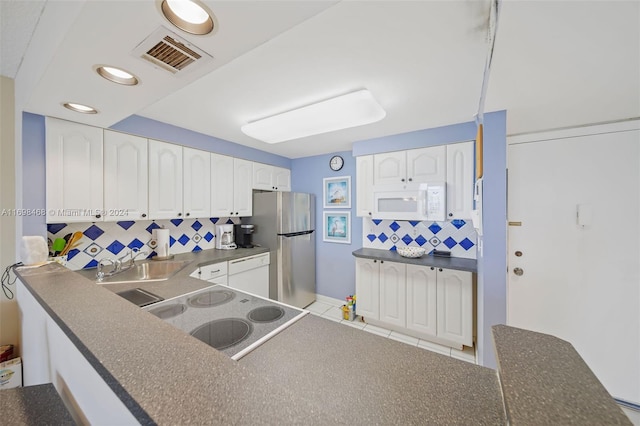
[
  {"x": 188, "y": 15},
  {"x": 350, "y": 110},
  {"x": 117, "y": 75},
  {"x": 80, "y": 108}
]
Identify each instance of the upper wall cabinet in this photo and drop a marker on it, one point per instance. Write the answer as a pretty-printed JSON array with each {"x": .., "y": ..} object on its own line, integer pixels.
[
  {"x": 410, "y": 168},
  {"x": 125, "y": 177},
  {"x": 74, "y": 179},
  {"x": 197, "y": 183},
  {"x": 231, "y": 183},
  {"x": 271, "y": 178},
  {"x": 165, "y": 180},
  {"x": 460, "y": 180}
]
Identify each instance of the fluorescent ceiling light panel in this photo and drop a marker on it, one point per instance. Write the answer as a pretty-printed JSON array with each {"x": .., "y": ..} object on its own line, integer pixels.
[{"x": 350, "y": 110}]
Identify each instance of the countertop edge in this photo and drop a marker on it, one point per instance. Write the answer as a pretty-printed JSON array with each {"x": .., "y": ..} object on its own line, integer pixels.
[{"x": 457, "y": 263}]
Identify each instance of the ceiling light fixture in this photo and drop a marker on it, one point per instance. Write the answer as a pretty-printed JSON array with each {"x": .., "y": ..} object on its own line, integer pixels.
[
  {"x": 188, "y": 15},
  {"x": 342, "y": 112},
  {"x": 117, "y": 75},
  {"x": 80, "y": 108}
]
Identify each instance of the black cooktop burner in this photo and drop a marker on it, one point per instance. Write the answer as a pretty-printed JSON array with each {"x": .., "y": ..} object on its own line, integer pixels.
[
  {"x": 211, "y": 298},
  {"x": 223, "y": 333},
  {"x": 169, "y": 311},
  {"x": 266, "y": 314}
]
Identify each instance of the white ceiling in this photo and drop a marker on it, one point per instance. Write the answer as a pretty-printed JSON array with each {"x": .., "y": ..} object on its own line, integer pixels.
[{"x": 555, "y": 64}]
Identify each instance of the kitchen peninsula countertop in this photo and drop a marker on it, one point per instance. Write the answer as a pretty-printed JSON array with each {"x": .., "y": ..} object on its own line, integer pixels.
[{"x": 458, "y": 263}]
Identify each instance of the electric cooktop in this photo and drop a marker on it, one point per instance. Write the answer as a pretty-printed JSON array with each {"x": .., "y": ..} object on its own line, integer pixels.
[{"x": 229, "y": 320}]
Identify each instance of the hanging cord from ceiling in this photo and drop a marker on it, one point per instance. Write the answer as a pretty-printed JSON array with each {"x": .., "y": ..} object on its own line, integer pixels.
[
  {"x": 491, "y": 36},
  {"x": 7, "y": 281}
]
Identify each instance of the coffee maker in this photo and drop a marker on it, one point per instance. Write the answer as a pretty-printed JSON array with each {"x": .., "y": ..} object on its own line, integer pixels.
[
  {"x": 224, "y": 237},
  {"x": 244, "y": 235}
]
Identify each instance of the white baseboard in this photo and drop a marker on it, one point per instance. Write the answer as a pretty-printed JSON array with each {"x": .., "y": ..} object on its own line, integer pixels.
[{"x": 330, "y": 300}]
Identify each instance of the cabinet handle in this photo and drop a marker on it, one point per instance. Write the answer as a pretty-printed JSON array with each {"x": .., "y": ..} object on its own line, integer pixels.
[
  {"x": 432, "y": 268},
  {"x": 369, "y": 213},
  {"x": 439, "y": 269},
  {"x": 144, "y": 215},
  {"x": 450, "y": 214},
  {"x": 410, "y": 179},
  {"x": 374, "y": 261},
  {"x": 98, "y": 216},
  {"x": 231, "y": 214},
  {"x": 179, "y": 214},
  {"x": 402, "y": 179},
  {"x": 382, "y": 261},
  {"x": 237, "y": 213},
  {"x": 188, "y": 214}
]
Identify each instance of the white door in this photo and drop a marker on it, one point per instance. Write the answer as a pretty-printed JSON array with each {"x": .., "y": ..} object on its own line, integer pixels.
[
  {"x": 364, "y": 185},
  {"x": 426, "y": 165},
  {"x": 393, "y": 297},
  {"x": 221, "y": 185},
  {"x": 242, "y": 187},
  {"x": 390, "y": 168},
  {"x": 125, "y": 177},
  {"x": 165, "y": 180},
  {"x": 421, "y": 299},
  {"x": 455, "y": 306},
  {"x": 460, "y": 180},
  {"x": 368, "y": 288},
  {"x": 197, "y": 183},
  {"x": 579, "y": 283},
  {"x": 74, "y": 181}
]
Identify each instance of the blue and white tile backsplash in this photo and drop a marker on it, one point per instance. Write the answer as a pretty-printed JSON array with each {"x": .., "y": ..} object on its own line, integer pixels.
[
  {"x": 115, "y": 239},
  {"x": 457, "y": 236}
]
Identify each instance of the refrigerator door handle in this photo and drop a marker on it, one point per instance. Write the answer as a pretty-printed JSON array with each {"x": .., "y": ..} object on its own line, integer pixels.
[{"x": 295, "y": 234}]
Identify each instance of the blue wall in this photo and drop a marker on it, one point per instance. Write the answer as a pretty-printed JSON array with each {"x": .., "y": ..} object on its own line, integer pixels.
[
  {"x": 33, "y": 173},
  {"x": 335, "y": 265},
  {"x": 153, "y": 129}
]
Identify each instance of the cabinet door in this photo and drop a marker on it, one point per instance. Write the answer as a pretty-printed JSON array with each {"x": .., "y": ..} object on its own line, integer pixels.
[
  {"x": 460, "y": 180},
  {"x": 367, "y": 288},
  {"x": 364, "y": 185},
  {"x": 455, "y": 306},
  {"x": 125, "y": 177},
  {"x": 263, "y": 177},
  {"x": 282, "y": 179},
  {"x": 197, "y": 183},
  {"x": 221, "y": 185},
  {"x": 165, "y": 180},
  {"x": 427, "y": 164},
  {"x": 421, "y": 299},
  {"x": 393, "y": 293},
  {"x": 242, "y": 187},
  {"x": 73, "y": 171},
  {"x": 390, "y": 168}
]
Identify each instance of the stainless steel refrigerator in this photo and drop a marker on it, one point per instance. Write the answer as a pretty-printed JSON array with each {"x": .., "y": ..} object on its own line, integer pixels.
[{"x": 285, "y": 223}]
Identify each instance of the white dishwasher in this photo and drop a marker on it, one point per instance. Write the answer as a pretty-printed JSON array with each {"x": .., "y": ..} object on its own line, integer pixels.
[{"x": 250, "y": 274}]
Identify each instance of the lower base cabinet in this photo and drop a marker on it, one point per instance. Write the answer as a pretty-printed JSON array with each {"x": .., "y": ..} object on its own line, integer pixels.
[{"x": 423, "y": 301}]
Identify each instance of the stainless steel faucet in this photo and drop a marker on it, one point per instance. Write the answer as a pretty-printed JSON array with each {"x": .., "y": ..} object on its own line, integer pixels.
[
  {"x": 116, "y": 267},
  {"x": 133, "y": 255}
]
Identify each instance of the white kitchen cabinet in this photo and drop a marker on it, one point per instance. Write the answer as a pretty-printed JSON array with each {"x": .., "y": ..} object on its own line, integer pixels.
[
  {"x": 165, "y": 180},
  {"x": 460, "y": 180},
  {"x": 197, "y": 183},
  {"x": 455, "y": 306},
  {"x": 422, "y": 299},
  {"x": 74, "y": 179},
  {"x": 34, "y": 349},
  {"x": 364, "y": 186},
  {"x": 215, "y": 273},
  {"x": 231, "y": 186},
  {"x": 271, "y": 178},
  {"x": 125, "y": 177},
  {"x": 408, "y": 169},
  {"x": 368, "y": 288},
  {"x": 392, "y": 293}
]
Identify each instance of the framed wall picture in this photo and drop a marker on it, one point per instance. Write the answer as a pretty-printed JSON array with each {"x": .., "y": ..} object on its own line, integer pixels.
[
  {"x": 337, "y": 227},
  {"x": 337, "y": 192}
]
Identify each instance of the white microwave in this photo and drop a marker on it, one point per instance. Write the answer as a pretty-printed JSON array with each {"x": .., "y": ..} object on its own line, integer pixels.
[{"x": 428, "y": 202}]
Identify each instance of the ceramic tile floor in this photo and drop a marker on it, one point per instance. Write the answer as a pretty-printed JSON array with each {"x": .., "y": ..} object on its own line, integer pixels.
[{"x": 332, "y": 312}]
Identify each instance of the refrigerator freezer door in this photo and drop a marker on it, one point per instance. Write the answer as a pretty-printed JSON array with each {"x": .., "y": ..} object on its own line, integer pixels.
[
  {"x": 297, "y": 212},
  {"x": 297, "y": 269}
]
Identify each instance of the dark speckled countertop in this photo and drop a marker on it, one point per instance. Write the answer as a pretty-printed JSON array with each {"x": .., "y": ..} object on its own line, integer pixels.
[{"x": 469, "y": 265}]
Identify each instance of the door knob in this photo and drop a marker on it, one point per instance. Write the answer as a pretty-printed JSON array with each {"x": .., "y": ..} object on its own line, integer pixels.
[{"x": 518, "y": 271}]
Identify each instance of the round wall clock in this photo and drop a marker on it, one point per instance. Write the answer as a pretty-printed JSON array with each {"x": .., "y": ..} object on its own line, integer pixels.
[{"x": 336, "y": 163}]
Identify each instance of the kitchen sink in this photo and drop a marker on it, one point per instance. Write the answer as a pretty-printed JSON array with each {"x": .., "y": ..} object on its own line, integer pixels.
[{"x": 147, "y": 271}]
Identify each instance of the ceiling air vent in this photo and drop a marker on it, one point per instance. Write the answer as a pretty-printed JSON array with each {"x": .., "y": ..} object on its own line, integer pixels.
[{"x": 170, "y": 52}]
